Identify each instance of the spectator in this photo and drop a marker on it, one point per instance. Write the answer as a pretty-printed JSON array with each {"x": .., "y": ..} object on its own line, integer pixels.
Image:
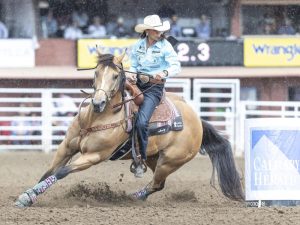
[
  {"x": 203, "y": 29},
  {"x": 120, "y": 29},
  {"x": 64, "y": 105},
  {"x": 111, "y": 24},
  {"x": 20, "y": 123},
  {"x": 268, "y": 19},
  {"x": 80, "y": 17},
  {"x": 62, "y": 12},
  {"x": 4, "y": 132},
  {"x": 62, "y": 26},
  {"x": 268, "y": 29},
  {"x": 3, "y": 31},
  {"x": 267, "y": 25},
  {"x": 73, "y": 32},
  {"x": 97, "y": 29},
  {"x": 49, "y": 25},
  {"x": 287, "y": 28},
  {"x": 35, "y": 122},
  {"x": 175, "y": 28}
]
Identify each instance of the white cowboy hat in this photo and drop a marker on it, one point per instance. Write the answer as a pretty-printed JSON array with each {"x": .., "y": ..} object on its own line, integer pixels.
[{"x": 153, "y": 22}]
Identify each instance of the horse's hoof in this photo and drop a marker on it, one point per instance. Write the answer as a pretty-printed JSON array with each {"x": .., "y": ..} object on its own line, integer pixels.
[{"x": 26, "y": 199}]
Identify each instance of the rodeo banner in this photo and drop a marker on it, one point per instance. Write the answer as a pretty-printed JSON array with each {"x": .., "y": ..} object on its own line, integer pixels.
[
  {"x": 17, "y": 53},
  {"x": 272, "y": 51},
  {"x": 87, "y": 50},
  {"x": 190, "y": 52},
  {"x": 272, "y": 159}
]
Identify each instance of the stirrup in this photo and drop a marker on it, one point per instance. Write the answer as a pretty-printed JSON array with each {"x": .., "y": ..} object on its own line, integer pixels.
[{"x": 134, "y": 165}]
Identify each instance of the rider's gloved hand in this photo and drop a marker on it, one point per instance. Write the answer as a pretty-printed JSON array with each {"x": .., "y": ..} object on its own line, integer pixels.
[
  {"x": 131, "y": 77},
  {"x": 161, "y": 75}
]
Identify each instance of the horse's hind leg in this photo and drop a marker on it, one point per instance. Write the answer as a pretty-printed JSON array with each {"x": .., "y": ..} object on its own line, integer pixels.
[
  {"x": 152, "y": 162},
  {"x": 166, "y": 164},
  {"x": 82, "y": 163}
]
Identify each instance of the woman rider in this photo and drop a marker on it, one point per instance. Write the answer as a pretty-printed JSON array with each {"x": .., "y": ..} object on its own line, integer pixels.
[{"x": 153, "y": 55}]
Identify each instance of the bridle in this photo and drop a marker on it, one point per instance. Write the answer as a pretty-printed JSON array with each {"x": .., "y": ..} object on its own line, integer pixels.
[
  {"x": 121, "y": 84},
  {"x": 111, "y": 93}
]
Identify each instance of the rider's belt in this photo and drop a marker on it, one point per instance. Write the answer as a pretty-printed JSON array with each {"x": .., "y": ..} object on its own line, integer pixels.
[
  {"x": 154, "y": 81},
  {"x": 146, "y": 79}
]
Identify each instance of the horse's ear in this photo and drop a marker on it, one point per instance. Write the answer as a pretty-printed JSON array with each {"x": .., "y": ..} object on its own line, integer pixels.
[
  {"x": 98, "y": 51},
  {"x": 120, "y": 58}
]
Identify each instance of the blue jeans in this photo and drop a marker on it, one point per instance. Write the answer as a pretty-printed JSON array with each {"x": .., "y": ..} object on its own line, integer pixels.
[{"x": 152, "y": 98}]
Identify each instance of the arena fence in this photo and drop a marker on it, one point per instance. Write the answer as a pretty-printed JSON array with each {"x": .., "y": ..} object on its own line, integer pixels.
[
  {"x": 217, "y": 100},
  {"x": 37, "y": 119}
]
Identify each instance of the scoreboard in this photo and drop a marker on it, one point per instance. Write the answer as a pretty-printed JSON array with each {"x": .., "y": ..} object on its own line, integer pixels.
[{"x": 210, "y": 53}]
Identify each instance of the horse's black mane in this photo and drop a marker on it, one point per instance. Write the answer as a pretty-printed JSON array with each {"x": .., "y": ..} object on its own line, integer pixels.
[{"x": 106, "y": 60}]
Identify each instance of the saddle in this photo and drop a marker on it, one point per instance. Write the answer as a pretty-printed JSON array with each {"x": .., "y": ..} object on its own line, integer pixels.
[{"x": 166, "y": 116}]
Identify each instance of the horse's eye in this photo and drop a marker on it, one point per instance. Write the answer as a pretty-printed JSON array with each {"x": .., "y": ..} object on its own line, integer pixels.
[{"x": 115, "y": 76}]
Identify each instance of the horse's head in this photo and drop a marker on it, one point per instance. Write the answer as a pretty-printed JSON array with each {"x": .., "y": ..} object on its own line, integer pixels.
[{"x": 109, "y": 79}]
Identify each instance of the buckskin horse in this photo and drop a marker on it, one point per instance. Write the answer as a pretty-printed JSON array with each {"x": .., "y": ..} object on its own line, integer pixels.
[{"x": 98, "y": 130}]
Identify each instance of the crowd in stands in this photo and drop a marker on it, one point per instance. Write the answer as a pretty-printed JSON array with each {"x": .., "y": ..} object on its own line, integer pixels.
[
  {"x": 62, "y": 21},
  {"x": 78, "y": 24},
  {"x": 271, "y": 25}
]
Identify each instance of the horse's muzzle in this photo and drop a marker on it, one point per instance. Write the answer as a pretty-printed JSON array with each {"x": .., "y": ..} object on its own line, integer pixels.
[{"x": 99, "y": 106}]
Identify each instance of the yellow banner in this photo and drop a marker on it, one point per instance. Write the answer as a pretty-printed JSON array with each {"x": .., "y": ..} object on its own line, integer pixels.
[
  {"x": 86, "y": 50},
  {"x": 272, "y": 51}
]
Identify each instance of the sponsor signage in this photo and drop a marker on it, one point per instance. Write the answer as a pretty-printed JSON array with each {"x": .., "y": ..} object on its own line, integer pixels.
[
  {"x": 272, "y": 51},
  {"x": 272, "y": 159},
  {"x": 86, "y": 50},
  {"x": 190, "y": 53},
  {"x": 17, "y": 53}
]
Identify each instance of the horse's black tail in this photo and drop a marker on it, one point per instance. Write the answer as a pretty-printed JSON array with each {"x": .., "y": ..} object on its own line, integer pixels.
[{"x": 221, "y": 156}]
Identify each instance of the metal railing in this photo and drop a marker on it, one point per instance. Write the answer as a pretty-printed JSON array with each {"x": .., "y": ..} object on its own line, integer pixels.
[{"x": 37, "y": 119}]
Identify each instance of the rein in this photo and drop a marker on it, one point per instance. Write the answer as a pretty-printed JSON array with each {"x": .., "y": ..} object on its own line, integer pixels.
[
  {"x": 131, "y": 99},
  {"x": 142, "y": 92},
  {"x": 85, "y": 131}
]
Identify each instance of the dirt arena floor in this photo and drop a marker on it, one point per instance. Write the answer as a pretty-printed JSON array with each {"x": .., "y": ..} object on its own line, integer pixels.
[{"x": 99, "y": 196}]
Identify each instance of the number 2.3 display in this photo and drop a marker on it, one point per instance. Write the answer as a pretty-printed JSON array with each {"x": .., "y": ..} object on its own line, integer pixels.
[{"x": 191, "y": 52}]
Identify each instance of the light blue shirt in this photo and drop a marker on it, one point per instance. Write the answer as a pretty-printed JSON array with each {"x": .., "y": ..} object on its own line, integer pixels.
[{"x": 158, "y": 57}]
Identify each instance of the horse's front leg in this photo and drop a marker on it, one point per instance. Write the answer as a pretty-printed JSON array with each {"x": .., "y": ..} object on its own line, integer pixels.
[
  {"x": 62, "y": 156},
  {"x": 83, "y": 162}
]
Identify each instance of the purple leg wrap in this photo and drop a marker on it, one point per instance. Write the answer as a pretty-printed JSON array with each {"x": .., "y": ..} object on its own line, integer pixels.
[
  {"x": 44, "y": 185},
  {"x": 141, "y": 194}
]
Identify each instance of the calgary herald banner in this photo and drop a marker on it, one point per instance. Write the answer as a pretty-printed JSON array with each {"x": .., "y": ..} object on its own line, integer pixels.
[
  {"x": 272, "y": 51},
  {"x": 272, "y": 159}
]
